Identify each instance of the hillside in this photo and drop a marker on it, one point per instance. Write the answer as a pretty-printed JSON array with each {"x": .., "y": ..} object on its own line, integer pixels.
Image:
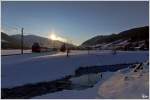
[
  {"x": 9, "y": 42},
  {"x": 30, "y": 39},
  {"x": 135, "y": 34},
  {"x": 13, "y": 41}
]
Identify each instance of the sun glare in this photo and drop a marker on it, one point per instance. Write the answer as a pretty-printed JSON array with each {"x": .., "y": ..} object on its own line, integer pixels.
[{"x": 54, "y": 37}]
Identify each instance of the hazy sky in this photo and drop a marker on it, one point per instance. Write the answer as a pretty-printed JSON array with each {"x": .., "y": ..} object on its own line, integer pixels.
[{"x": 76, "y": 21}]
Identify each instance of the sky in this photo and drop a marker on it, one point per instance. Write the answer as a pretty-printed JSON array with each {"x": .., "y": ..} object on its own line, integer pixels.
[{"x": 74, "y": 21}]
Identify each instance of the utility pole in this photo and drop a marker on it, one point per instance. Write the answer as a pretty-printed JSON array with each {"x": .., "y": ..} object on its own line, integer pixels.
[{"x": 22, "y": 40}]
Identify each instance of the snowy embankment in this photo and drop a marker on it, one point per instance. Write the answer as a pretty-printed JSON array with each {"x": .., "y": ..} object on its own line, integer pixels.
[
  {"x": 31, "y": 68},
  {"x": 128, "y": 85}
]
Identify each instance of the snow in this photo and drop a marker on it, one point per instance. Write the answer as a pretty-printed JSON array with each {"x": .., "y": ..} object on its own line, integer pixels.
[
  {"x": 19, "y": 70},
  {"x": 125, "y": 42},
  {"x": 129, "y": 85},
  {"x": 14, "y": 51},
  {"x": 31, "y": 68},
  {"x": 71, "y": 94},
  {"x": 113, "y": 85},
  {"x": 107, "y": 58},
  {"x": 89, "y": 93},
  {"x": 86, "y": 80}
]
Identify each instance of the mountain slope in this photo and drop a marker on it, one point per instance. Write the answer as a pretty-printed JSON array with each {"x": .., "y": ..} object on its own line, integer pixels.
[
  {"x": 30, "y": 39},
  {"x": 9, "y": 42},
  {"x": 14, "y": 41},
  {"x": 135, "y": 34},
  {"x": 45, "y": 42}
]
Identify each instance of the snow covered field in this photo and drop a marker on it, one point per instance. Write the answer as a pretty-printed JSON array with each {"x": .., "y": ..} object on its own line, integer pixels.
[
  {"x": 31, "y": 68},
  {"x": 14, "y": 51}
]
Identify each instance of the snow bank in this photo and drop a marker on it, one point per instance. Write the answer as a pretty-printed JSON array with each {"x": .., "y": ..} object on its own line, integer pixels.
[{"x": 130, "y": 85}]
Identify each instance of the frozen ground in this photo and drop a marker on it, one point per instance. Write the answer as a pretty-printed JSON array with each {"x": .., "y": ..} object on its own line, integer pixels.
[{"x": 31, "y": 68}]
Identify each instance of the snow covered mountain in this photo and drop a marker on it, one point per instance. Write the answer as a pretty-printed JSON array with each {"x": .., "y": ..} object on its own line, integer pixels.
[{"x": 133, "y": 35}]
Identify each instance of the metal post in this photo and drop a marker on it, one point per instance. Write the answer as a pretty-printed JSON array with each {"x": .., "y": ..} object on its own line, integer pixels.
[{"x": 21, "y": 40}]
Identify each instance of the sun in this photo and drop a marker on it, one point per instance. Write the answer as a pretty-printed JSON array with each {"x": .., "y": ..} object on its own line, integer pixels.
[{"x": 53, "y": 37}]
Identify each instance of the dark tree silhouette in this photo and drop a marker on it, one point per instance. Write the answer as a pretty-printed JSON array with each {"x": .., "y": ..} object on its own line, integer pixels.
[{"x": 63, "y": 48}]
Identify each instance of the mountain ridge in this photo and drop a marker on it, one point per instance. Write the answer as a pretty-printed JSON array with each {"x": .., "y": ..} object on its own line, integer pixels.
[
  {"x": 135, "y": 34},
  {"x": 12, "y": 40}
]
